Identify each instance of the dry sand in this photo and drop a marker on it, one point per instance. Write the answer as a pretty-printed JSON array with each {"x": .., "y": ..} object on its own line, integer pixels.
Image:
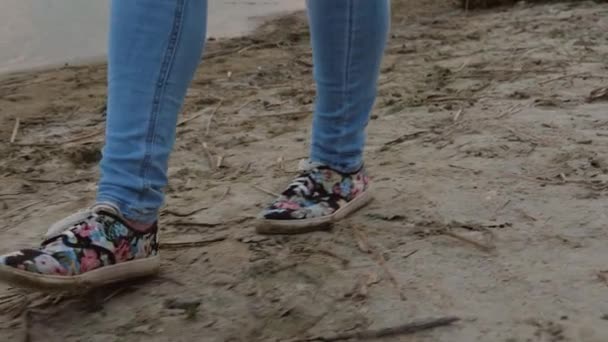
[{"x": 484, "y": 127}]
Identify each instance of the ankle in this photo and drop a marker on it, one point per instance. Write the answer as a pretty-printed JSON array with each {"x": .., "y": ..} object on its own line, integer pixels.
[
  {"x": 140, "y": 226},
  {"x": 134, "y": 224}
]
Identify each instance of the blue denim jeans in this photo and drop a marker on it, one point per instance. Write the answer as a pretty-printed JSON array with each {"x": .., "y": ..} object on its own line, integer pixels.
[{"x": 154, "y": 49}]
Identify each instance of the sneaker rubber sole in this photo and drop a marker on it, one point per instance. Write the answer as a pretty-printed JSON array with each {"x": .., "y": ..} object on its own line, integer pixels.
[
  {"x": 99, "y": 277},
  {"x": 295, "y": 226}
]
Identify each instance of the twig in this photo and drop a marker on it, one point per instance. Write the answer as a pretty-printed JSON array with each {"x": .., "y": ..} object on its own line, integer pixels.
[
  {"x": 271, "y": 193},
  {"x": 186, "y": 214},
  {"x": 10, "y": 296},
  {"x": 522, "y": 136},
  {"x": 598, "y": 94},
  {"x": 69, "y": 141},
  {"x": 402, "y": 139},
  {"x": 528, "y": 216},
  {"x": 510, "y": 111},
  {"x": 501, "y": 207},
  {"x": 362, "y": 241},
  {"x": 457, "y": 115},
  {"x": 404, "y": 329},
  {"x": 479, "y": 245},
  {"x": 304, "y": 63},
  {"x": 595, "y": 185},
  {"x": 244, "y": 169},
  {"x": 244, "y": 105},
  {"x": 23, "y": 207},
  {"x": 462, "y": 66},
  {"x": 379, "y": 258},
  {"x": 225, "y": 194},
  {"x": 391, "y": 276},
  {"x": 15, "y": 130},
  {"x": 343, "y": 260},
  {"x": 564, "y": 76},
  {"x": 294, "y": 112},
  {"x": 410, "y": 254},
  {"x": 83, "y": 137},
  {"x": 62, "y": 182},
  {"x": 210, "y": 225},
  {"x": 221, "y": 53},
  {"x": 258, "y": 46},
  {"x": 209, "y": 156},
  {"x": 220, "y": 159},
  {"x": 385, "y": 81},
  {"x": 6, "y": 194},
  {"x": 475, "y": 171},
  {"x": 190, "y": 244},
  {"x": 240, "y": 51},
  {"x": 245, "y": 48},
  {"x": 211, "y": 117},
  {"x": 195, "y": 224},
  {"x": 449, "y": 99},
  {"x": 44, "y": 301},
  {"x": 114, "y": 294},
  {"x": 195, "y": 116}
]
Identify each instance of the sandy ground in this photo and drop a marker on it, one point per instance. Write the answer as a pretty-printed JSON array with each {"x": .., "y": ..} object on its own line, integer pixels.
[{"x": 488, "y": 125}]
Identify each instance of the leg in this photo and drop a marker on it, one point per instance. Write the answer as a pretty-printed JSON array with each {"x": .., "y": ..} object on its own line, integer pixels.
[
  {"x": 348, "y": 39},
  {"x": 155, "y": 47}
]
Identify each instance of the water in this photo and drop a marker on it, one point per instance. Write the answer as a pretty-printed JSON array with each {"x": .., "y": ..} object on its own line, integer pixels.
[{"x": 37, "y": 33}]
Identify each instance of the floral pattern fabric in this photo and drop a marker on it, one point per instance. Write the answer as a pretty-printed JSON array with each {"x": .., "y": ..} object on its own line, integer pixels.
[
  {"x": 100, "y": 240},
  {"x": 317, "y": 192}
]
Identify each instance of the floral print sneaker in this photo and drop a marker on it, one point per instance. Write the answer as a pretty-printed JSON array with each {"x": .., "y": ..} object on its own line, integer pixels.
[
  {"x": 318, "y": 197},
  {"x": 88, "y": 249}
]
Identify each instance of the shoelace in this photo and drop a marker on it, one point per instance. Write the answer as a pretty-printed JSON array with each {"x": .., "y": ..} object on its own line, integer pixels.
[
  {"x": 77, "y": 218},
  {"x": 68, "y": 233},
  {"x": 302, "y": 184}
]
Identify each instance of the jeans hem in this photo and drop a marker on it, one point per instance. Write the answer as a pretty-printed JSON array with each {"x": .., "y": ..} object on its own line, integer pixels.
[
  {"x": 128, "y": 212},
  {"x": 348, "y": 167}
]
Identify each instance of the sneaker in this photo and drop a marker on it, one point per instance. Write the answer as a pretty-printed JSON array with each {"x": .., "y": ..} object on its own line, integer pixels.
[
  {"x": 89, "y": 249},
  {"x": 318, "y": 197}
]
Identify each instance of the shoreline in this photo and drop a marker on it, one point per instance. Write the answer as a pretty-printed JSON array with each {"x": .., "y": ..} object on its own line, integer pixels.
[
  {"x": 36, "y": 52},
  {"x": 90, "y": 61},
  {"x": 211, "y": 40}
]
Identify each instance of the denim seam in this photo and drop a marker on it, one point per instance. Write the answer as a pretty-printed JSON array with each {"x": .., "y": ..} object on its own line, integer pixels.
[
  {"x": 347, "y": 88},
  {"x": 160, "y": 89}
]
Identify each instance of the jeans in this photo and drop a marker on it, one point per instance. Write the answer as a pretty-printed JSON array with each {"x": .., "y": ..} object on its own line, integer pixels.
[{"x": 154, "y": 49}]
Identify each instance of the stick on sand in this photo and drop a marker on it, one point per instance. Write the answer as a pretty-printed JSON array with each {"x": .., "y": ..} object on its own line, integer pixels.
[{"x": 15, "y": 130}]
